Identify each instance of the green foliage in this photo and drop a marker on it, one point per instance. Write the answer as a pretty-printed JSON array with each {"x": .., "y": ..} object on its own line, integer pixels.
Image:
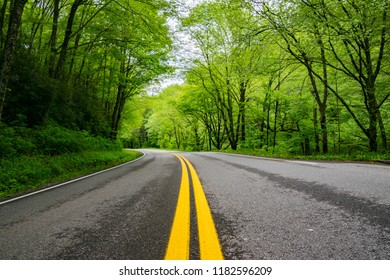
[
  {"x": 283, "y": 154},
  {"x": 77, "y": 64},
  {"x": 282, "y": 77},
  {"x": 286, "y": 78},
  {"x": 30, "y": 158},
  {"x": 27, "y": 173},
  {"x": 36, "y": 99},
  {"x": 54, "y": 140},
  {"x": 50, "y": 140},
  {"x": 15, "y": 141}
]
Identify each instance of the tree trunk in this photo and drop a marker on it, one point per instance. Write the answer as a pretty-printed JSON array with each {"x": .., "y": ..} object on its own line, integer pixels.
[
  {"x": 372, "y": 130},
  {"x": 74, "y": 52},
  {"x": 210, "y": 138},
  {"x": 53, "y": 37},
  {"x": 324, "y": 130},
  {"x": 116, "y": 114},
  {"x": 322, "y": 104},
  {"x": 372, "y": 107},
  {"x": 230, "y": 124},
  {"x": 176, "y": 134},
  {"x": 307, "y": 145},
  {"x": 198, "y": 144},
  {"x": 383, "y": 131},
  {"x": 263, "y": 119},
  {"x": 315, "y": 122},
  {"x": 9, "y": 48},
  {"x": 275, "y": 121},
  {"x": 267, "y": 124},
  {"x": 36, "y": 27},
  {"x": 121, "y": 98},
  {"x": 3, "y": 11},
  {"x": 241, "y": 111},
  {"x": 68, "y": 33}
]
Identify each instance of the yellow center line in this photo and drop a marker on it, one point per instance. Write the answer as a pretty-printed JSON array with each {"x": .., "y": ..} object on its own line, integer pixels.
[
  {"x": 179, "y": 240},
  {"x": 209, "y": 246}
]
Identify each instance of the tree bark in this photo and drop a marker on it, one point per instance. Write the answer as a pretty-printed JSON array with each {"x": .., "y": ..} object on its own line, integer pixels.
[
  {"x": 9, "y": 48},
  {"x": 116, "y": 115},
  {"x": 373, "y": 121},
  {"x": 2, "y": 20},
  {"x": 316, "y": 136},
  {"x": 68, "y": 34},
  {"x": 177, "y": 137},
  {"x": 383, "y": 131},
  {"x": 53, "y": 37},
  {"x": 241, "y": 111},
  {"x": 275, "y": 121}
]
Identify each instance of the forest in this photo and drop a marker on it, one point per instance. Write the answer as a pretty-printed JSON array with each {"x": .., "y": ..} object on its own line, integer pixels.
[
  {"x": 67, "y": 69},
  {"x": 274, "y": 77},
  {"x": 289, "y": 78}
]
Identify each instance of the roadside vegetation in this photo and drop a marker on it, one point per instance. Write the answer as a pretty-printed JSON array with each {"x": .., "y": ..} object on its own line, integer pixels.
[
  {"x": 34, "y": 158},
  {"x": 292, "y": 79},
  {"x": 67, "y": 68},
  {"x": 277, "y": 78},
  {"x": 362, "y": 156}
]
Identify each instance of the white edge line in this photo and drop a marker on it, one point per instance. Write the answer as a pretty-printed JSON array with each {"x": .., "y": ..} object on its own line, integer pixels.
[
  {"x": 305, "y": 162},
  {"x": 308, "y": 162},
  {"x": 71, "y": 181},
  {"x": 250, "y": 156}
]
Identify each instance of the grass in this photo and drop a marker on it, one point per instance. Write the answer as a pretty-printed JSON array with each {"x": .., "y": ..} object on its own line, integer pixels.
[
  {"x": 32, "y": 158},
  {"x": 363, "y": 156},
  {"x": 28, "y": 173}
]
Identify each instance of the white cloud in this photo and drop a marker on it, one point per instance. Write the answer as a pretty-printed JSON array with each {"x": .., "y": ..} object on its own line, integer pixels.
[{"x": 184, "y": 49}]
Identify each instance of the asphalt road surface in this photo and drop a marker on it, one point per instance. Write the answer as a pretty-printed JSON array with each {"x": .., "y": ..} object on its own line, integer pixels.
[{"x": 260, "y": 209}]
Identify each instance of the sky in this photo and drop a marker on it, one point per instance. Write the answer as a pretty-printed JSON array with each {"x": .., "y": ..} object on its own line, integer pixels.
[{"x": 183, "y": 47}]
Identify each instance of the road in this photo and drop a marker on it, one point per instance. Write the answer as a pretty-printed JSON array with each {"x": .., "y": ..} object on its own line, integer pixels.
[{"x": 259, "y": 209}]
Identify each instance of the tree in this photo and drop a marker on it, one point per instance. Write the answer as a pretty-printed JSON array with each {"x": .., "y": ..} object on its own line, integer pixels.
[
  {"x": 142, "y": 53},
  {"x": 81, "y": 51},
  {"x": 303, "y": 40},
  {"x": 229, "y": 59},
  {"x": 361, "y": 38},
  {"x": 197, "y": 107},
  {"x": 351, "y": 38},
  {"x": 16, "y": 13}
]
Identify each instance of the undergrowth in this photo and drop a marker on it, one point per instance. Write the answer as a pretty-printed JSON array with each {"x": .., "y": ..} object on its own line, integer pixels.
[
  {"x": 31, "y": 158},
  {"x": 367, "y": 156}
]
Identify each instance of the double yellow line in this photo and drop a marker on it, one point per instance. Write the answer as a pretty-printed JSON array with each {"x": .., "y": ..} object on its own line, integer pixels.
[{"x": 179, "y": 240}]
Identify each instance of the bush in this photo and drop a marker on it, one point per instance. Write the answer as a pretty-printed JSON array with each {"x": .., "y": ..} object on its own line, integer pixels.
[
  {"x": 16, "y": 141},
  {"x": 32, "y": 157},
  {"x": 50, "y": 140},
  {"x": 25, "y": 173}
]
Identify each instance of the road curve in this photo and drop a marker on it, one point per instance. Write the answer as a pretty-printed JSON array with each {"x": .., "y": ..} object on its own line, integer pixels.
[
  {"x": 262, "y": 209},
  {"x": 125, "y": 213},
  {"x": 281, "y": 209}
]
